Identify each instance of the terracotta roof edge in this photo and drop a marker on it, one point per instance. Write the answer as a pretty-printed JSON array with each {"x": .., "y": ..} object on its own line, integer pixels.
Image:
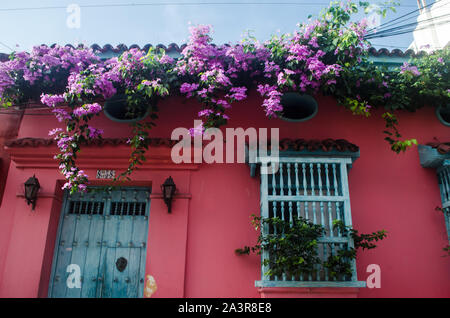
[{"x": 173, "y": 47}]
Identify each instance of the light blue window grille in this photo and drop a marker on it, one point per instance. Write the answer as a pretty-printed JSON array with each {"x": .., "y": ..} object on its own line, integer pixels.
[
  {"x": 315, "y": 188},
  {"x": 430, "y": 157},
  {"x": 443, "y": 173}
]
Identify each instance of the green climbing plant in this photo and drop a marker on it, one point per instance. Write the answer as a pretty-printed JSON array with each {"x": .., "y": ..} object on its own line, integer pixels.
[{"x": 292, "y": 247}]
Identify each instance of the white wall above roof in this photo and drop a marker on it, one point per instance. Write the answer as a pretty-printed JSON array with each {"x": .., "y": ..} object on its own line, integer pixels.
[{"x": 433, "y": 29}]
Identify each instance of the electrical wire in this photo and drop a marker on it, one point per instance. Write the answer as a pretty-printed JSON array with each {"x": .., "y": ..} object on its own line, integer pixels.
[
  {"x": 405, "y": 31},
  {"x": 174, "y": 4},
  {"x": 394, "y": 31},
  {"x": 167, "y": 4},
  {"x": 414, "y": 24},
  {"x": 193, "y": 4},
  {"x": 1, "y": 43},
  {"x": 383, "y": 25}
]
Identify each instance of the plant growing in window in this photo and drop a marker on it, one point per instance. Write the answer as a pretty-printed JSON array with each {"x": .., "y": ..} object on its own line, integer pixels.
[
  {"x": 339, "y": 264},
  {"x": 292, "y": 246}
]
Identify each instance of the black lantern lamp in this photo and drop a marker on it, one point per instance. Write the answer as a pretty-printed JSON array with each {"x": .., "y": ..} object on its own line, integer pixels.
[
  {"x": 168, "y": 189},
  {"x": 31, "y": 190}
]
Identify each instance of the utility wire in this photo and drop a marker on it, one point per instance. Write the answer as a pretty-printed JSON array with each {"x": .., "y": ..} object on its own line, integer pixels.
[
  {"x": 430, "y": 22},
  {"x": 384, "y": 26},
  {"x": 405, "y": 15},
  {"x": 401, "y": 32},
  {"x": 406, "y": 31},
  {"x": 167, "y": 4},
  {"x": 174, "y": 4},
  {"x": 410, "y": 26},
  {"x": 1, "y": 43},
  {"x": 188, "y": 4}
]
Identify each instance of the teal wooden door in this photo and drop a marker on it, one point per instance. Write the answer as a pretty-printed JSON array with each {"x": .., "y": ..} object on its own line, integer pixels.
[{"x": 101, "y": 245}]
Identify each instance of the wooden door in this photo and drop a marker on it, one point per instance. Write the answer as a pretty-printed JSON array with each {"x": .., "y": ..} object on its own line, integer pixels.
[{"x": 101, "y": 244}]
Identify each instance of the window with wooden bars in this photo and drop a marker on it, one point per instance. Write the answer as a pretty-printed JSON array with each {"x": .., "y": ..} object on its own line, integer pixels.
[
  {"x": 314, "y": 188},
  {"x": 121, "y": 202},
  {"x": 435, "y": 156}
]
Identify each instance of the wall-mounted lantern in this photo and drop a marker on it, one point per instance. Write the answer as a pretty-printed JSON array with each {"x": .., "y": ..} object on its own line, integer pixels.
[
  {"x": 168, "y": 189},
  {"x": 31, "y": 190}
]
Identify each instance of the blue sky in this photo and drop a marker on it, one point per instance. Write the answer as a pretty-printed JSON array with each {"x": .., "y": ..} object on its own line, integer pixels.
[{"x": 162, "y": 23}]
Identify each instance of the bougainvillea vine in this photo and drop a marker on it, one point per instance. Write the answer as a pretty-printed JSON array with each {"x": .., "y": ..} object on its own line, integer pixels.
[{"x": 328, "y": 56}]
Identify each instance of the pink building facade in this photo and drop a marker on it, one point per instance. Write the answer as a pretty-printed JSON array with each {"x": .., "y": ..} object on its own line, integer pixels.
[{"x": 190, "y": 252}]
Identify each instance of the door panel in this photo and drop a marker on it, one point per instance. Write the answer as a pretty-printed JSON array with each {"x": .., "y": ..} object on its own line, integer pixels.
[
  {"x": 121, "y": 284},
  {"x": 79, "y": 250},
  {"x": 95, "y": 230},
  {"x": 92, "y": 264},
  {"x": 136, "y": 285},
  {"x": 64, "y": 255},
  {"x": 139, "y": 237},
  {"x": 108, "y": 257}
]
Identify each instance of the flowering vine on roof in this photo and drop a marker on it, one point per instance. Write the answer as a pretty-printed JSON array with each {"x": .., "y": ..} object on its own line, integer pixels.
[{"x": 327, "y": 56}]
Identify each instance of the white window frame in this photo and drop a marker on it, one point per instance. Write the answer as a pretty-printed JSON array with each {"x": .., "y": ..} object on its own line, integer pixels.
[{"x": 296, "y": 194}]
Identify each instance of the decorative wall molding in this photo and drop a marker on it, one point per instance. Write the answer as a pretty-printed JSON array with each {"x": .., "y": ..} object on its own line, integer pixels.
[
  {"x": 41, "y": 195},
  {"x": 109, "y": 153},
  {"x": 187, "y": 196}
]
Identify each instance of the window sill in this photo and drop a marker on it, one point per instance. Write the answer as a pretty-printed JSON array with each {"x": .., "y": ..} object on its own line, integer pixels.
[
  {"x": 302, "y": 289},
  {"x": 430, "y": 157}
]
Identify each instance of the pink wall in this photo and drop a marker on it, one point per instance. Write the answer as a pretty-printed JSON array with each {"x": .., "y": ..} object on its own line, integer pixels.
[
  {"x": 387, "y": 191},
  {"x": 9, "y": 126}
]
